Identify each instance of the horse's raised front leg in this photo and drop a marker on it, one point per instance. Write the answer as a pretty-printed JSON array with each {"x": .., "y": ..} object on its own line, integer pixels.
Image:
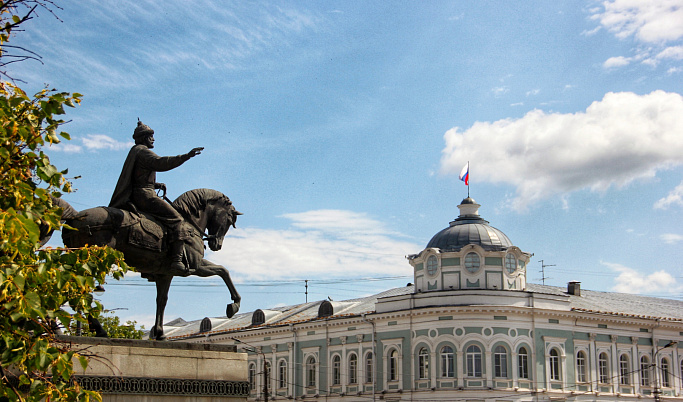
[
  {"x": 163, "y": 283},
  {"x": 208, "y": 268}
]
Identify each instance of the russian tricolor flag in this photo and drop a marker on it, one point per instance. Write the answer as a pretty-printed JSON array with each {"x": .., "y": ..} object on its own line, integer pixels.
[{"x": 465, "y": 174}]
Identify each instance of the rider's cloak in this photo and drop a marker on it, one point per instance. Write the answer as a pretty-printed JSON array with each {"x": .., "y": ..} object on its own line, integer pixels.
[
  {"x": 124, "y": 187},
  {"x": 139, "y": 170}
]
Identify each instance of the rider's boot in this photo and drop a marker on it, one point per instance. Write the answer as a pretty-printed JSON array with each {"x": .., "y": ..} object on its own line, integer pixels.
[{"x": 176, "y": 254}]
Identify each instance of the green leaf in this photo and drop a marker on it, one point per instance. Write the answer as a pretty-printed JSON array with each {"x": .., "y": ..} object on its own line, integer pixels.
[{"x": 84, "y": 361}]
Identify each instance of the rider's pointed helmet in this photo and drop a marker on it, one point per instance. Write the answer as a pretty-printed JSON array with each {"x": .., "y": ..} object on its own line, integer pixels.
[{"x": 141, "y": 130}]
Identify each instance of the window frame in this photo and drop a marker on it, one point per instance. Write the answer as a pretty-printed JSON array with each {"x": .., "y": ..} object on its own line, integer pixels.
[
  {"x": 353, "y": 368},
  {"x": 645, "y": 371},
  {"x": 468, "y": 263},
  {"x": 282, "y": 374},
  {"x": 423, "y": 363},
  {"x": 555, "y": 364},
  {"x": 393, "y": 370},
  {"x": 500, "y": 362},
  {"x": 523, "y": 364},
  {"x": 624, "y": 369},
  {"x": 447, "y": 359},
  {"x": 473, "y": 362},
  {"x": 603, "y": 368},
  {"x": 336, "y": 370},
  {"x": 311, "y": 372},
  {"x": 581, "y": 367}
]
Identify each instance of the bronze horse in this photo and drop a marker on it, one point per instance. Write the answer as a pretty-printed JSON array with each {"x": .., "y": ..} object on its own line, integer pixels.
[{"x": 140, "y": 239}]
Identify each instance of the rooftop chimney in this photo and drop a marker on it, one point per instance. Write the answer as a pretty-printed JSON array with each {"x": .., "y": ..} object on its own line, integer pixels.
[{"x": 574, "y": 288}]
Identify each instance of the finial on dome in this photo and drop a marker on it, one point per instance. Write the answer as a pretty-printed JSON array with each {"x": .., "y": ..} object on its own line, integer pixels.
[{"x": 468, "y": 207}]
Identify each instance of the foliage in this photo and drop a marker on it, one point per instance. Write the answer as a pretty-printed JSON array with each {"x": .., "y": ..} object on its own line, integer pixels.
[
  {"x": 112, "y": 324},
  {"x": 36, "y": 284}
]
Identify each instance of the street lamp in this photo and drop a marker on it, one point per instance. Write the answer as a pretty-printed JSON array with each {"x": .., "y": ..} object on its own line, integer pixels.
[
  {"x": 657, "y": 392},
  {"x": 265, "y": 367}
]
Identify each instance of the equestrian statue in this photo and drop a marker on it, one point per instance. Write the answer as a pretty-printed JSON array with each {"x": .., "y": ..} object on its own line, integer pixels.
[{"x": 160, "y": 238}]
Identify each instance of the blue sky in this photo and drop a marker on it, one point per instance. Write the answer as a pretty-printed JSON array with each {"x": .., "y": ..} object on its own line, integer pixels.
[{"x": 339, "y": 130}]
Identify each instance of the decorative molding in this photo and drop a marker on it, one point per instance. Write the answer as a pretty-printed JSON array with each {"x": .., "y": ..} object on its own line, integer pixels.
[{"x": 163, "y": 386}]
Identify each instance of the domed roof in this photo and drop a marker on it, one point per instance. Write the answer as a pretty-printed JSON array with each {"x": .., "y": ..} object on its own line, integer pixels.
[{"x": 469, "y": 228}]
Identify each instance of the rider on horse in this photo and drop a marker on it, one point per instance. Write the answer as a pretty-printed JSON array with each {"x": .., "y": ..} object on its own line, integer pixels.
[{"x": 136, "y": 185}]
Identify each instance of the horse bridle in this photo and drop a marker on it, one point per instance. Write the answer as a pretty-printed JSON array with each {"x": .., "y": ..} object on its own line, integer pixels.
[{"x": 205, "y": 237}]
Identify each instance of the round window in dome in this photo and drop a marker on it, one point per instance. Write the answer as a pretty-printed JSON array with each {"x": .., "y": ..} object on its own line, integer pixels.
[
  {"x": 510, "y": 263},
  {"x": 432, "y": 265},
  {"x": 472, "y": 262}
]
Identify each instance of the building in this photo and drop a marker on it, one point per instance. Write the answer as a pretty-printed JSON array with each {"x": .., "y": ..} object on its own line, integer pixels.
[{"x": 470, "y": 328}]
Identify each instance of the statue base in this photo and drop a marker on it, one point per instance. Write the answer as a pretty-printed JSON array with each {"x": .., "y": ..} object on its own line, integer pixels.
[{"x": 141, "y": 370}]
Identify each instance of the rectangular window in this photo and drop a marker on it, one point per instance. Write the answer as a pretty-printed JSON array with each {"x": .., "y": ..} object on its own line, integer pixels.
[
  {"x": 581, "y": 367},
  {"x": 554, "y": 361},
  {"x": 624, "y": 371},
  {"x": 644, "y": 372},
  {"x": 474, "y": 365},
  {"x": 500, "y": 365},
  {"x": 603, "y": 369},
  {"x": 447, "y": 365},
  {"x": 523, "y": 360}
]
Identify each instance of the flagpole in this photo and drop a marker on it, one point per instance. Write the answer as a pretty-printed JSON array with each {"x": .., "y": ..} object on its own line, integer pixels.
[{"x": 468, "y": 179}]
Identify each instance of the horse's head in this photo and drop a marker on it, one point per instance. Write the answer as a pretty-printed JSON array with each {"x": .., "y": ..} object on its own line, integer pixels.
[{"x": 224, "y": 215}]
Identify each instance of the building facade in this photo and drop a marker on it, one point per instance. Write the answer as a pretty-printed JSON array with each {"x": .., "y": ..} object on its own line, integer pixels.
[{"x": 468, "y": 328}]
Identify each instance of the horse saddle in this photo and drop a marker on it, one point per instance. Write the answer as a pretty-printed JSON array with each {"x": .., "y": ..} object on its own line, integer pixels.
[{"x": 143, "y": 230}]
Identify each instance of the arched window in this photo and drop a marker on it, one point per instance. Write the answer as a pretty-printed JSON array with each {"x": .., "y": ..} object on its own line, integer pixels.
[
  {"x": 311, "y": 368},
  {"x": 645, "y": 368},
  {"x": 393, "y": 365},
  {"x": 423, "y": 363},
  {"x": 447, "y": 369},
  {"x": 624, "y": 370},
  {"x": 523, "y": 363},
  {"x": 473, "y": 356},
  {"x": 353, "y": 368},
  {"x": 666, "y": 372},
  {"x": 282, "y": 374},
  {"x": 432, "y": 265},
  {"x": 510, "y": 263},
  {"x": 581, "y": 367},
  {"x": 472, "y": 262},
  {"x": 603, "y": 368},
  {"x": 369, "y": 368},
  {"x": 252, "y": 376},
  {"x": 336, "y": 370},
  {"x": 555, "y": 366},
  {"x": 500, "y": 362}
]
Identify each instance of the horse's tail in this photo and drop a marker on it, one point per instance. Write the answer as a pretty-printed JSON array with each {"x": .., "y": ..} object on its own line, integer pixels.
[{"x": 68, "y": 212}]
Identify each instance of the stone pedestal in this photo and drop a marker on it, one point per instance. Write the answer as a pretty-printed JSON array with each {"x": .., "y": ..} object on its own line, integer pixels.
[{"x": 150, "y": 371}]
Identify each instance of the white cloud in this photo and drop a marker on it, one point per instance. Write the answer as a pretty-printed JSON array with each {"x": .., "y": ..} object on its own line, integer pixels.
[
  {"x": 614, "y": 62},
  {"x": 533, "y": 92},
  {"x": 66, "y": 147},
  {"x": 500, "y": 91},
  {"x": 674, "y": 70},
  {"x": 651, "y": 25},
  {"x": 329, "y": 243},
  {"x": 631, "y": 281},
  {"x": 101, "y": 141},
  {"x": 648, "y": 21},
  {"x": 671, "y": 238},
  {"x": 94, "y": 142},
  {"x": 675, "y": 197},
  {"x": 617, "y": 140}
]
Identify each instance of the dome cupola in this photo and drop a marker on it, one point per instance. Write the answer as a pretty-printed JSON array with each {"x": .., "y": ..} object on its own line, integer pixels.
[
  {"x": 469, "y": 228},
  {"x": 470, "y": 254}
]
